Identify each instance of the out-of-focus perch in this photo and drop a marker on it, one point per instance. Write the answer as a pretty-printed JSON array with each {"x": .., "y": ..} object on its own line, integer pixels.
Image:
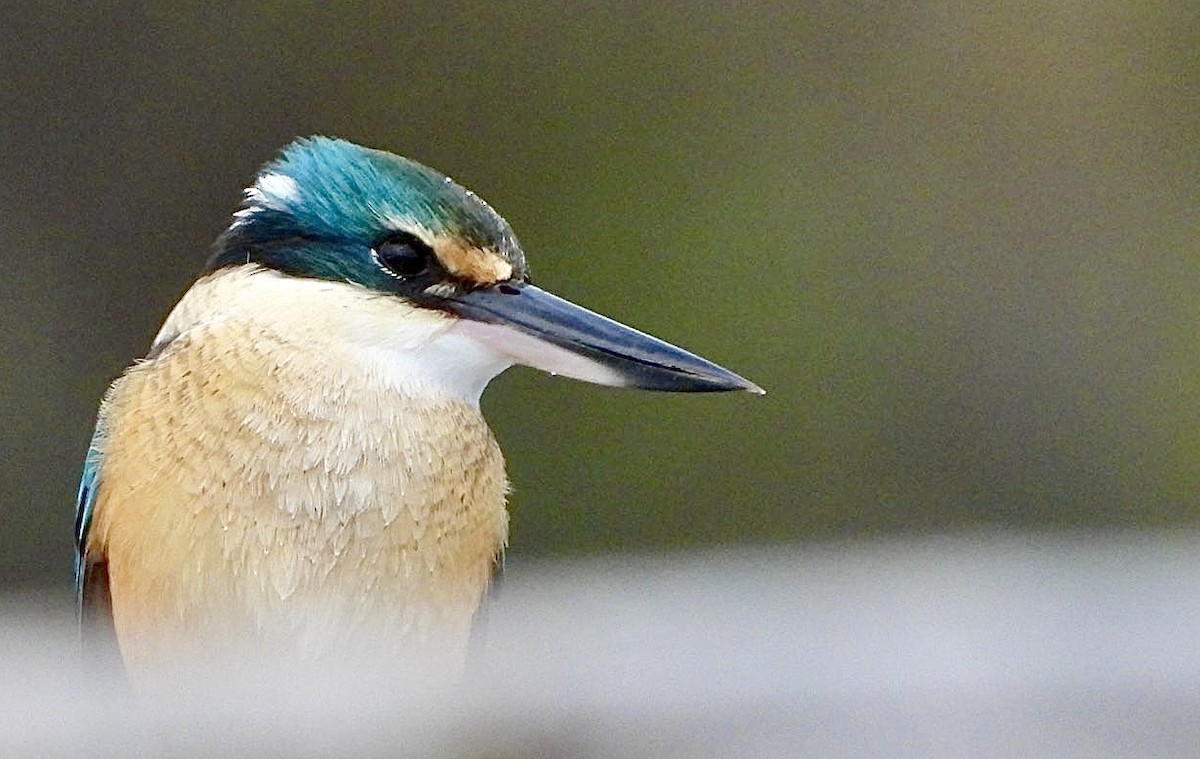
[{"x": 991, "y": 646}]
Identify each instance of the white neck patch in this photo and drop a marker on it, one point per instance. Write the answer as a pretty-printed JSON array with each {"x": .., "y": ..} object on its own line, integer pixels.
[{"x": 410, "y": 350}]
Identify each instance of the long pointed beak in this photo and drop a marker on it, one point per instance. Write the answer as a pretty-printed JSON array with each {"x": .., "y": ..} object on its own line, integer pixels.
[{"x": 544, "y": 331}]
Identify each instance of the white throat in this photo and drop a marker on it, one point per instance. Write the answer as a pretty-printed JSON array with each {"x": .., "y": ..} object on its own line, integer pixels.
[{"x": 414, "y": 351}]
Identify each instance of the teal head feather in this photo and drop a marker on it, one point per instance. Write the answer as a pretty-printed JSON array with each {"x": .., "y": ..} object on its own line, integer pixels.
[{"x": 324, "y": 206}]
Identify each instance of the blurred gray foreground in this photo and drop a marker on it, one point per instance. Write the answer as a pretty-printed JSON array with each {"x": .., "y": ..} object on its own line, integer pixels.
[{"x": 987, "y": 646}]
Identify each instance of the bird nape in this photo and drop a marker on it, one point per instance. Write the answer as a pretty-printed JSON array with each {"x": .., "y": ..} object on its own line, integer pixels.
[{"x": 299, "y": 465}]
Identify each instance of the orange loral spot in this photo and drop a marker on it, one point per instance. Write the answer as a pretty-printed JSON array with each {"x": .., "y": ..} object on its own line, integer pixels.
[{"x": 476, "y": 265}]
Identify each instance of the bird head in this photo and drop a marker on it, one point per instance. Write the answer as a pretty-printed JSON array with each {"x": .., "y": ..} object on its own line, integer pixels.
[{"x": 328, "y": 209}]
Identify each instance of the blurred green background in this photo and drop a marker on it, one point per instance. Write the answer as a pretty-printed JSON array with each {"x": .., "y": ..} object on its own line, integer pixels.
[{"x": 957, "y": 244}]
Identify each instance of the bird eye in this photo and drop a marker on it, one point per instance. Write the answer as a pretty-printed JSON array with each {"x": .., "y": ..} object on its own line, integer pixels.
[{"x": 404, "y": 255}]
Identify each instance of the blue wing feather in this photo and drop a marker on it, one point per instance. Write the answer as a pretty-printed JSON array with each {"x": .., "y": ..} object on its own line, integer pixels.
[
  {"x": 85, "y": 502},
  {"x": 97, "y": 634}
]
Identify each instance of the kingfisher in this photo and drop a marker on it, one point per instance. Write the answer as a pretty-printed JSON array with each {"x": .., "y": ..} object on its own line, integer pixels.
[{"x": 299, "y": 463}]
